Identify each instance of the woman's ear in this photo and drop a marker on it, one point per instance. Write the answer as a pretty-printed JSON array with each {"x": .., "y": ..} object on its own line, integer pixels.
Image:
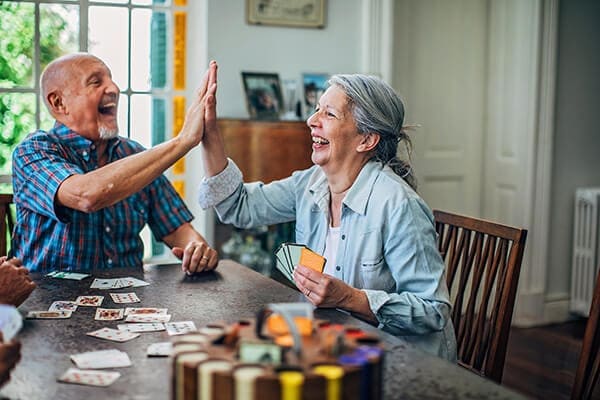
[{"x": 368, "y": 142}]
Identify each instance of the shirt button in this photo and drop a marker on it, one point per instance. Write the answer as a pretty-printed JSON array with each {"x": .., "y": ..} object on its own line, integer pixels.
[
  {"x": 84, "y": 153},
  {"x": 107, "y": 229},
  {"x": 343, "y": 237},
  {"x": 338, "y": 268},
  {"x": 93, "y": 147},
  {"x": 109, "y": 261}
]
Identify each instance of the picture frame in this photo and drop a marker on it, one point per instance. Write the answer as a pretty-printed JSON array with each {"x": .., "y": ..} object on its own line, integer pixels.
[
  {"x": 313, "y": 86},
  {"x": 291, "y": 13},
  {"x": 263, "y": 95}
]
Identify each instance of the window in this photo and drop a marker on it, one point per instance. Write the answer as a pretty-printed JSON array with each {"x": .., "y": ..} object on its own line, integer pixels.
[{"x": 129, "y": 35}]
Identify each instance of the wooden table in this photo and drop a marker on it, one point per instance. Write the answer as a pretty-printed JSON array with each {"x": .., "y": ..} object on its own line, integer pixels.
[{"x": 231, "y": 293}]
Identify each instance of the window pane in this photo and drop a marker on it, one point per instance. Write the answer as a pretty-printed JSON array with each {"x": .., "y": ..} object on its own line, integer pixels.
[
  {"x": 141, "y": 2},
  {"x": 16, "y": 44},
  {"x": 123, "y": 115},
  {"x": 140, "y": 49},
  {"x": 108, "y": 39},
  {"x": 111, "y": 1},
  {"x": 17, "y": 119},
  {"x": 59, "y": 31},
  {"x": 140, "y": 119}
]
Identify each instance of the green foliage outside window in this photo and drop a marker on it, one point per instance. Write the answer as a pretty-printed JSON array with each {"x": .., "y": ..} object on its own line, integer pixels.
[{"x": 18, "y": 109}]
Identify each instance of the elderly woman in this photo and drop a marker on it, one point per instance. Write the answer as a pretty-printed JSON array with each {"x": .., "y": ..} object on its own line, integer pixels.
[{"x": 357, "y": 206}]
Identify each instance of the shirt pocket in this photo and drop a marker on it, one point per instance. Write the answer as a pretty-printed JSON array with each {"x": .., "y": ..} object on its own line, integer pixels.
[{"x": 374, "y": 271}]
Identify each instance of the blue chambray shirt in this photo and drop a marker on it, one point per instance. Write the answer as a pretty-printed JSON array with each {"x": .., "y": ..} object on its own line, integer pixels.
[
  {"x": 387, "y": 242},
  {"x": 49, "y": 237}
]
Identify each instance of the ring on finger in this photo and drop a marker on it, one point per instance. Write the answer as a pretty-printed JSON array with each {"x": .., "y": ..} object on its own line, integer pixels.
[{"x": 205, "y": 258}]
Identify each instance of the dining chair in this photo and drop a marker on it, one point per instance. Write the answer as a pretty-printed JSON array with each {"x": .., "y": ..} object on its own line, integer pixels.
[
  {"x": 588, "y": 370},
  {"x": 483, "y": 260},
  {"x": 6, "y": 222}
]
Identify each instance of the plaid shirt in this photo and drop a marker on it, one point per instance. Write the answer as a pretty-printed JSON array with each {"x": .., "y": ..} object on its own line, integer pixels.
[{"x": 51, "y": 237}]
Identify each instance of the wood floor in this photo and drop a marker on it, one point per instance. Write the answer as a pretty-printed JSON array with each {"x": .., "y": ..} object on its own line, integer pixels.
[{"x": 541, "y": 362}]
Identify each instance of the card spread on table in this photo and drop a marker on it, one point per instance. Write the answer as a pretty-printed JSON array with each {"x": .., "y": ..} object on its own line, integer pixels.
[
  {"x": 145, "y": 310},
  {"x": 142, "y": 327},
  {"x": 113, "y": 334},
  {"x": 10, "y": 322},
  {"x": 112, "y": 358},
  {"x": 148, "y": 318},
  {"x": 63, "y": 305},
  {"x": 89, "y": 377},
  {"x": 161, "y": 349},
  {"x": 89, "y": 301},
  {"x": 122, "y": 298},
  {"x": 67, "y": 275},
  {"x": 117, "y": 283},
  {"x": 49, "y": 314},
  {"x": 289, "y": 255},
  {"x": 179, "y": 328},
  {"x": 109, "y": 314}
]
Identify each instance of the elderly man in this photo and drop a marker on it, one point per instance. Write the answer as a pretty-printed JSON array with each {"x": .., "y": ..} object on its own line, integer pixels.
[{"x": 83, "y": 193}]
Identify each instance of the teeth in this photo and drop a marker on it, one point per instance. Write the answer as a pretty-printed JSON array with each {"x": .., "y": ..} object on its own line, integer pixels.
[{"x": 319, "y": 140}]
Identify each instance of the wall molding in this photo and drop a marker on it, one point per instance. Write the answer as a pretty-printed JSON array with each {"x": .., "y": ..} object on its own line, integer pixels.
[
  {"x": 377, "y": 25},
  {"x": 534, "y": 282}
]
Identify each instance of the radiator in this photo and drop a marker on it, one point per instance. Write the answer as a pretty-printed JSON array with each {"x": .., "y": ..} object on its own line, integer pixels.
[{"x": 586, "y": 249}]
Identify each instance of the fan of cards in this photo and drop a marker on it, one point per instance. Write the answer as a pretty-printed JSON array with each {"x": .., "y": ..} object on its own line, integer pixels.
[{"x": 291, "y": 254}]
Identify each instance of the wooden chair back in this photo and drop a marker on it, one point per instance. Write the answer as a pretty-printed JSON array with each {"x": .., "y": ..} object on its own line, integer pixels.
[
  {"x": 6, "y": 222},
  {"x": 588, "y": 370},
  {"x": 483, "y": 260}
]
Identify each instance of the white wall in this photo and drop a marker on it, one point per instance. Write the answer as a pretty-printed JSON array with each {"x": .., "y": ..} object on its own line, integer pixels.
[
  {"x": 238, "y": 47},
  {"x": 577, "y": 135}
]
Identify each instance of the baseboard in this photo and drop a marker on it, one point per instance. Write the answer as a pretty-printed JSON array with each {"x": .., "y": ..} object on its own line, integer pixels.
[{"x": 535, "y": 309}]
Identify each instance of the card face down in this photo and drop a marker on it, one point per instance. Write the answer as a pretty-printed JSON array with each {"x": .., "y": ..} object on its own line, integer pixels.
[
  {"x": 89, "y": 377},
  {"x": 49, "y": 314}
]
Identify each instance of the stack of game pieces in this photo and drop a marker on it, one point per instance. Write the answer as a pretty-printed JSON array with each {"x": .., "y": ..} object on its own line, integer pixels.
[{"x": 248, "y": 360}]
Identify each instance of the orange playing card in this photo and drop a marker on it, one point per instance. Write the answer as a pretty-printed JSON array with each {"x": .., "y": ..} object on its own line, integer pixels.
[{"x": 312, "y": 260}]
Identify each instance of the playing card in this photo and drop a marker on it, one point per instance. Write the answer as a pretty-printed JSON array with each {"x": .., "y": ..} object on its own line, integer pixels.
[
  {"x": 49, "y": 314},
  {"x": 89, "y": 301},
  {"x": 142, "y": 327},
  {"x": 122, "y": 298},
  {"x": 283, "y": 263},
  {"x": 113, "y": 334},
  {"x": 109, "y": 314},
  {"x": 67, "y": 275},
  {"x": 145, "y": 310},
  {"x": 101, "y": 359},
  {"x": 135, "y": 282},
  {"x": 89, "y": 377},
  {"x": 162, "y": 349},
  {"x": 63, "y": 305},
  {"x": 10, "y": 322},
  {"x": 179, "y": 328},
  {"x": 312, "y": 260},
  {"x": 102, "y": 283},
  {"x": 148, "y": 318}
]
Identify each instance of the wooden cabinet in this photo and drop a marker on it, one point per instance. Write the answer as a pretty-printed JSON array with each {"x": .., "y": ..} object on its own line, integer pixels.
[
  {"x": 264, "y": 151},
  {"x": 267, "y": 150}
]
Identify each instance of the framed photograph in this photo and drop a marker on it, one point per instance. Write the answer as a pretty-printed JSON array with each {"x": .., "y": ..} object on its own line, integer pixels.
[
  {"x": 294, "y": 13},
  {"x": 313, "y": 85},
  {"x": 263, "y": 95}
]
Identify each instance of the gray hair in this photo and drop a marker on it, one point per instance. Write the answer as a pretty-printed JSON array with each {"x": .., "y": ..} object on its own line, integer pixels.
[{"x": 377, "y": 108}]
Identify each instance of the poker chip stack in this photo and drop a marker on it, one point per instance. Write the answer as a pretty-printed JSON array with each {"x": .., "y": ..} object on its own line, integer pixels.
[{"x": 241, "y": 361}]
